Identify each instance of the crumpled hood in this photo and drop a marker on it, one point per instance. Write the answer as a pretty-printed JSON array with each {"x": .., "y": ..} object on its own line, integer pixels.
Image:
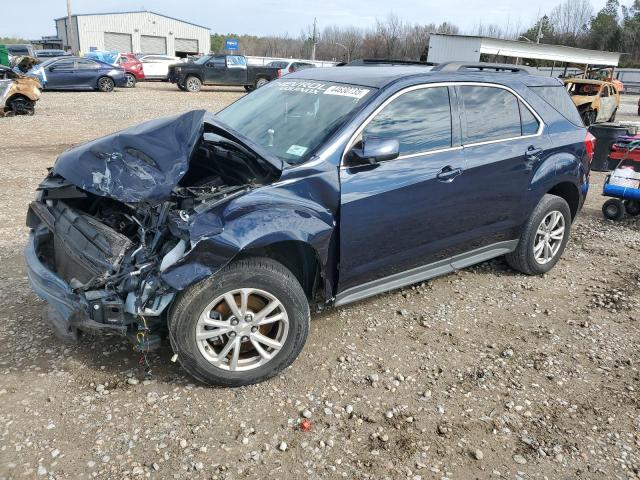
[{"x": 144, "y": 162}]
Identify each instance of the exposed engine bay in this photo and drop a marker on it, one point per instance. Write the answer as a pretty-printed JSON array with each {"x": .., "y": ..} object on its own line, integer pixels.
[{"x": 111, "y": 253}]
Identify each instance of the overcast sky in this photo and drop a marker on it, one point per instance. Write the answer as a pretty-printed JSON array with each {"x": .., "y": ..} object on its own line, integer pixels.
[{"x": 34, "y": 18}]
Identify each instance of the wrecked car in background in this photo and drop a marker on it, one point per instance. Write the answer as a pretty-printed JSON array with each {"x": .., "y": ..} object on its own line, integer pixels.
[
  {"x": 322, "y": 188},
  {"x": 18, "y": 93},
  {"x": 596, "y": 100}
]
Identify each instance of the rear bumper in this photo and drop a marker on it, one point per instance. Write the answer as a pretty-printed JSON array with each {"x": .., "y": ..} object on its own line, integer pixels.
[{"x": 120, "y": 81}]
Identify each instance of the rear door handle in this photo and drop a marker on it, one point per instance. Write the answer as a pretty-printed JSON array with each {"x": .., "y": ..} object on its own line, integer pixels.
[
  {"x": 533, "y": 153},
  {"x": 448, "y": 174}
]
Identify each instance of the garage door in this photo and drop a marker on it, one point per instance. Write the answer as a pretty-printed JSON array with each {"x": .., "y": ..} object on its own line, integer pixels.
[
  {"x": 119, "y": 42},
  {"x": 186, "y": 45},
  {"x": 149, "y": 44}
]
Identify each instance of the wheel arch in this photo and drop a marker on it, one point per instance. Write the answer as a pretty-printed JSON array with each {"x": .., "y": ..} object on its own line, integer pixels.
[
  {"x": 570, "y": 193},
  {"x": 298, "y": 257},
  {"x": 193, "y": 74}
]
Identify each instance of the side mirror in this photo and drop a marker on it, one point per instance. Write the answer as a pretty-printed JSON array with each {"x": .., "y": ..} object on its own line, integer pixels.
[{"x": 374, "y": 150}]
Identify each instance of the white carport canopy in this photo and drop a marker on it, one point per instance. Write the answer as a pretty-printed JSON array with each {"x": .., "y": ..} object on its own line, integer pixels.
[{"x": 464, "y": 45}]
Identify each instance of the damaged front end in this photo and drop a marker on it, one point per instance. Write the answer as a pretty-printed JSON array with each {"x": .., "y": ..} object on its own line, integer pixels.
[{"x": 115, "y": 215}]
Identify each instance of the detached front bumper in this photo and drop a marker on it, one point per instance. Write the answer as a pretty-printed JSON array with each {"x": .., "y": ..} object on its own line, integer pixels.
[{"x": 67, "y": 309}]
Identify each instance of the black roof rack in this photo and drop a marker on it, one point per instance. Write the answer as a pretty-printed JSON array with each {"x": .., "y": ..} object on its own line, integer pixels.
[
  {"x": 481, "y": 67},
  {"x": 387, "y": 62}
]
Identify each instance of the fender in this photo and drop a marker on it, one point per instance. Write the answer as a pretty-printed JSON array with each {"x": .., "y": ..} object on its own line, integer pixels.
[
  {"x": 560, "y": 166},
  {"x": 284, "y": 211}
]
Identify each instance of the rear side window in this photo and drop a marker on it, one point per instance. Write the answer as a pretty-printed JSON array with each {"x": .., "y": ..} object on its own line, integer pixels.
[
  {"x": 420, "y": 120},
  {"x": 490, "y": 114},
  {"x": 529, "y": 122},
  {"x": 559, "y": 99},
  {"x": 86, "y": 64}
]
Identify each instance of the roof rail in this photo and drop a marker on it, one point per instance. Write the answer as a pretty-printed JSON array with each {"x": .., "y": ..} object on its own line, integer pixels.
[
  {"x": 481, "y": 67},
  {"x": 387, "y": 61}
]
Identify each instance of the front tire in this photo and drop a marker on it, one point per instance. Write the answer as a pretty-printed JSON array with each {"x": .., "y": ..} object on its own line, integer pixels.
[
  {"x": 21, "y": 106},
  {"x": 106, "y": 84},
  {"x": 261, "y": 82},
  {"x": 241, "y": 326},
  {"x": 131, "y": 80},
  {"x": 589, "y": 117},
  {"x": 544, "y": 237},
  {"x": 193, "y": 84}
]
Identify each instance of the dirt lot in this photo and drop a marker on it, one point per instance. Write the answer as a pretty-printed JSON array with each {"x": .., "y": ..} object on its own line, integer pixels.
[{"x": 480, "y": 374}]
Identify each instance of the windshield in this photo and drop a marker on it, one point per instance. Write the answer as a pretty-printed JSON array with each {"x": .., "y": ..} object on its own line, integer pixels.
[
  {"x": 202, "y": 60},
  {"x": 292, "y": 118}
]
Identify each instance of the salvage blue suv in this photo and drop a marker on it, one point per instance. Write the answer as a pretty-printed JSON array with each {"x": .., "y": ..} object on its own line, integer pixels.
[{"x": 320, "y": 189}]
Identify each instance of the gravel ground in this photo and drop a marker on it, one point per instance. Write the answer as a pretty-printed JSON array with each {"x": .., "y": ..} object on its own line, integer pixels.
[{"x": 481, "y": 374}]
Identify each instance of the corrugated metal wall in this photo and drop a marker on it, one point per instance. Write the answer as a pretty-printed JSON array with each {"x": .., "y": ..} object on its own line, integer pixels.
[
  {"x": 92, "y": 29},
  {"x": 449, "y": 48}
]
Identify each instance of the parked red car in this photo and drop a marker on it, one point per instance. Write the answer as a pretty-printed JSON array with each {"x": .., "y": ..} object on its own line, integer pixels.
[{"x": 132, "y": 67}]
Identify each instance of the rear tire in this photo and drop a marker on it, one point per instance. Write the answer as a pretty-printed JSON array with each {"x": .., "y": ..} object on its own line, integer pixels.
[
  {"x": 549, "y": 225},
  {"x": 613, "y": 116},
  {"x": 203, "y": 308},
  {"x": 613, "y": 209},
  {"x": 106, "y": 84},
  {"x": 181, "y": 87},
  {"x": 131, "y": 80},
  {"x": 192, "y": 84},
  {"x": 632, "y": 207}
]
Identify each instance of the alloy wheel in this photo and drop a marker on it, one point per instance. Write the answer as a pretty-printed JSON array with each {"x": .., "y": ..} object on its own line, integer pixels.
[
  {"x": 192, "y": 85},
  {"x": 242, "y": 329},
  {"x": 549, "y": 237},
  {"x": 105, "y": 84}
]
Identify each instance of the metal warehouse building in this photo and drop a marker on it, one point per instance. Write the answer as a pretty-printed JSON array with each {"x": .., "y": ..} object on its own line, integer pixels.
[{"x": 137, "y": 32}]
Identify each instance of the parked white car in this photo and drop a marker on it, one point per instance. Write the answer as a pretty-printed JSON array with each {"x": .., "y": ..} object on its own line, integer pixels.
[{"x": 156, "y": 67}]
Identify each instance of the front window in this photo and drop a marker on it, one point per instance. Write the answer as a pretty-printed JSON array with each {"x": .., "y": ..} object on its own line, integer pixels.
[
  {"x": 420, "y": 120},
  {"x": 292, "y": 118},
  {"x": 202, "y": 60}
]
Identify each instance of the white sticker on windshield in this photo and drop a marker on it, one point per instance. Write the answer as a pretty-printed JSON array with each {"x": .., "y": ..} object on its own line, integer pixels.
[
  {"x": 296, "y": 150},
  {"x": 346, "y": 91}
]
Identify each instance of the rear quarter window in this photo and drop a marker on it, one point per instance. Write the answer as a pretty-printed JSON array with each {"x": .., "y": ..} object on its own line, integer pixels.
[{"x": 559, "y": 99}]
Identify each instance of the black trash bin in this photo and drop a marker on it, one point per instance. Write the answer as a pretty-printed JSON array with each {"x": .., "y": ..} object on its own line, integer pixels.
[{"x": 606, "y": 134}]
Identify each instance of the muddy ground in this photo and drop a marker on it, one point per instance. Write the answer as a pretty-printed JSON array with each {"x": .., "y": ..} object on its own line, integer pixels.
[{"x": 481, "y": 374}]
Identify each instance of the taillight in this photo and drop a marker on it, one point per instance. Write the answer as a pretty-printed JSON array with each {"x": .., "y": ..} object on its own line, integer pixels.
[
  {"x": 279, "y": 72},
  {"x": 590, "y": 145}
]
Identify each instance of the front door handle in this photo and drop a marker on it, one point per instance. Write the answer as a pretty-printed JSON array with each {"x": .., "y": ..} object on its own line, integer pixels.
[
  {"x": 448, "y": 174},
  {"x": 533, "y": 153}
]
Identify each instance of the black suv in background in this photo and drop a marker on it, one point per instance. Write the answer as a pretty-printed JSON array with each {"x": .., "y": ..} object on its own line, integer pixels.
[
  {"x": 220, "y": 70},
  {"x": 322, "y": 188}
]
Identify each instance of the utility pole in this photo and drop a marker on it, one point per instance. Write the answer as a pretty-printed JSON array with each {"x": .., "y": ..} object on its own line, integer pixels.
[
  {"x": 69, "y": 42},
  {"x": 539, "y": 36},
  {"x": 313, "y": 39}
]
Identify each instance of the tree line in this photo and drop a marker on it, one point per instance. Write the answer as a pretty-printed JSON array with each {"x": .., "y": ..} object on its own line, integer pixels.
[{"x": 574, "y": 23}]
